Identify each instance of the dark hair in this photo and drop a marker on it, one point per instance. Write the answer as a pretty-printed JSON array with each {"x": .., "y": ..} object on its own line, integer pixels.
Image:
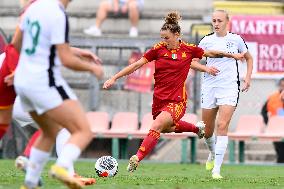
[{"x": 171, "y": 22}]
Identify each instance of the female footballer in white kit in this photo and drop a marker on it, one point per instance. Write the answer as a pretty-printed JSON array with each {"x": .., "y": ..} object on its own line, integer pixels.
[
  {"x": 45, "y": 94},
  {"x": 220, "y": 93}
]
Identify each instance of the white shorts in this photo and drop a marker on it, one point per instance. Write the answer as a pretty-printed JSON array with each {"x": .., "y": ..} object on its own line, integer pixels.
[
  {"x": 211, "y": 97},
  {"x": 22, "y": 117},
  {"x": 43, "y": 98}
]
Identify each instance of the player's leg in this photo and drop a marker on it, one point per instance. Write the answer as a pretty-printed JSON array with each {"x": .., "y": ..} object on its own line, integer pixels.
[
  {"x": 5, "y": 120},
  {"x": 180, "y": 126},
  {"x": 209, "y": 112},
  {"x": 40, "y": 151},
  {"x": 7, "y": 99},
  {"x": 183, "y": 126},
  {"x": 31, "y": 142},
  {"x": 223, "y": 121},
  {"x": 209, "y": 116},
  {"x": 71, "y": 116},
  {"x": 61, "y": 139},
  {"x": 162, "y": 122}
]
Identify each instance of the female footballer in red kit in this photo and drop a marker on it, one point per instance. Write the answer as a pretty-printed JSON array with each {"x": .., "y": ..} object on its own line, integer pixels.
[{"x": 173, "y": 59}]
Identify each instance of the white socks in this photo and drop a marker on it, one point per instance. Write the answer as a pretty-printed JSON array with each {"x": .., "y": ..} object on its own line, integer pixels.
[
  {"x": 210, "y": 143},
  {"x": 221, "y": 146},
  {"x": 68, "y": 155},
  {"x": 61, "y": 139},
  {"x": 37, "y": 161}
]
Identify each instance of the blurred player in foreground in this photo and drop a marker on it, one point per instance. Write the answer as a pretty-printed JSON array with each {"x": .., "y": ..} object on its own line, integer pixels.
[
  {"x": 8, "y": 63},
  {"x": 45, "y": 94}
]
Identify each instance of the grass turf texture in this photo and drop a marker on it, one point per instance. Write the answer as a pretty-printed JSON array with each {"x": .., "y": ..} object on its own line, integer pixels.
[{"x": 161, "y": 175}]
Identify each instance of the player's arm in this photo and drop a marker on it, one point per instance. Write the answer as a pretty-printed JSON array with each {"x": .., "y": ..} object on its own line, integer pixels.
[
  {"x": 247, "y": 80},
  {"x": 125, "y": 71},
  {"x": 202, "y": 68},
  {"x": 84, "y": 53},
  {"x": 221, "y": 54},
  {"x": 70, "y": 60},
  {"x": 17, "y": 39}
]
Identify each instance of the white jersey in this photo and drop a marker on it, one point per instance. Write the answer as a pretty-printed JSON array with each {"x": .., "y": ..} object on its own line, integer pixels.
[
  {"x": 38, "y": 79},
  {"x": 44, "y": 25},
  {"x": 229, "y": 73}
]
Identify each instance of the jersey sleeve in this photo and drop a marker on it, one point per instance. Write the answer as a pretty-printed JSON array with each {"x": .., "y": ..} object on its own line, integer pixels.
[
  {"x": 242, "y": 46},
  {"x": 203, "y": 44},
  {"x": 151, "y": 54},
  {"x": 59, "y": 29},
  {"x": 198, "y": 52}
]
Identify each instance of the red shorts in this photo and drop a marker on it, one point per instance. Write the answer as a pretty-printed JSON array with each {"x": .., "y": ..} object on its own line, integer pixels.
[
  {"x": 7, "y": 93},
  {"x": 176, "y": 109}
]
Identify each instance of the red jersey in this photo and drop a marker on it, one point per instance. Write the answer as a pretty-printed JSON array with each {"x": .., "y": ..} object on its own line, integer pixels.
[
  {"x": 7, "y": 93},
  {"x": 171, "y": 69}
]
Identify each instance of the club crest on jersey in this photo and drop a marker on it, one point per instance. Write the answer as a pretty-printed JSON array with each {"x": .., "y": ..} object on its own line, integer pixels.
[
  {"x": 174, "y": 56},
  {"x": 183, "y": 55}
]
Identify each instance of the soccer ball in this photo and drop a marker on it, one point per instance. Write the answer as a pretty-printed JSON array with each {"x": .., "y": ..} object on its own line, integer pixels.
[{"x": 106, "y": 166}]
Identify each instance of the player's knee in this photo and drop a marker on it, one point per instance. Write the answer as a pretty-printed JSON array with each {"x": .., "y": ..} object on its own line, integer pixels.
[
  {"x": 88, "y": 132},
  {"x": 222, "y": 127},
  {"x": 222, "y": 124},
  {"x": 157, "y": 126}
]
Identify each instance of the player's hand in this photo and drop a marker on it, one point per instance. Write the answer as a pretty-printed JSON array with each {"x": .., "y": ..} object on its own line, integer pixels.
[
  {"x": 109, "y": 83},
  {"x": 212, "y": 70},
  {"x": 97, "y": 70},
  {"x": 239, "y": 56},
  {"x": 246, "y": 85},
  {"x": 9, "y": 79},
  {"x": 90, "y": 56}
]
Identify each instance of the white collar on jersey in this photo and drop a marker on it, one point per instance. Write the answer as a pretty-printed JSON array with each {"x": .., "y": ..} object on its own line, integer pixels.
[{"x": 223, "y": 36}]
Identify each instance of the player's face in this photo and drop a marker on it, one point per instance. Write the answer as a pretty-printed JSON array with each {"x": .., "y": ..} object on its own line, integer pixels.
[
  {"x": 169, "y": 38},
  {"x": 219, "y": 22}
]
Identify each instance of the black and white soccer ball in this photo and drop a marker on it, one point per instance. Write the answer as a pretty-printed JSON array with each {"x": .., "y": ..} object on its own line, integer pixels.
[{"x": 106, "y": 166}]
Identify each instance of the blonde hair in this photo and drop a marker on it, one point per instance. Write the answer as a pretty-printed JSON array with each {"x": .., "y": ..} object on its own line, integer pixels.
[
  {"x": 171, "y": 22},
  {"x": 225, "y": 12}
]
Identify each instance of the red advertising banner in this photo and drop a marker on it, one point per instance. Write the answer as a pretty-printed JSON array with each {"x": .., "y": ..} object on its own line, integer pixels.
[
  {"x": 264, "y": 36},
  {"x": 140, "y": 80}
]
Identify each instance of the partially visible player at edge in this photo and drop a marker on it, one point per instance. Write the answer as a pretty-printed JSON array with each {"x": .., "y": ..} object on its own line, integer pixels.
[
  {"x": 173, "y": 59},
  {"x": 220, "y": 94},
  {"x": 44, "y": 42},
  {"x": 8, "y": 64}
]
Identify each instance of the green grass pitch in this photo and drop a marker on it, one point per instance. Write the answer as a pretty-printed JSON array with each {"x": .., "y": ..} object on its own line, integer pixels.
[{"x": 161, "y": 176}]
